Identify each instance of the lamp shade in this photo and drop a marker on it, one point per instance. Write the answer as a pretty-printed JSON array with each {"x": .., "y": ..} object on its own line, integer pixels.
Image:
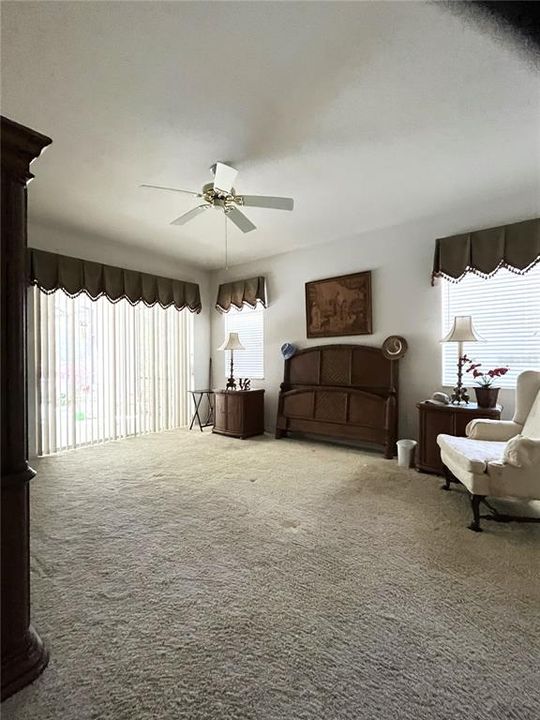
[
  {"x": 232, "y": 342},
  {"x": 462, "y": 331}
]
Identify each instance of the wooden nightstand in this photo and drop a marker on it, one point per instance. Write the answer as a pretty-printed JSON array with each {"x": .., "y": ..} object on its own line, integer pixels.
[
  {"x": 447, "y": 419},
  {"x": 239, "y": 413}
]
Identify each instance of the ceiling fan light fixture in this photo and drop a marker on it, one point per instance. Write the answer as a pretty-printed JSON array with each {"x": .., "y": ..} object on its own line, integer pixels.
[
  {"x": 224, "y": 177},
  {"x": 221, "y": 195}
]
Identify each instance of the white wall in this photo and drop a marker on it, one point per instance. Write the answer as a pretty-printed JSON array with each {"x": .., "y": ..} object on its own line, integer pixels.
[
  {"x": 404, "y": 303},
  {"x": 98, "y": 249}
]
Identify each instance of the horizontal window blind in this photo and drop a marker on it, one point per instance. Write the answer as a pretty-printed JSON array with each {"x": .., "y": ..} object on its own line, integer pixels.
[
  {"x": 249, "y": 324},
  {"x": 505, "y": 309},
  {"x": 108, "y": 370}
]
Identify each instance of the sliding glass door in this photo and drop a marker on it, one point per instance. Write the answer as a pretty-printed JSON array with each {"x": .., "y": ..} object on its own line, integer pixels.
[{"x": 108, "y": 370}]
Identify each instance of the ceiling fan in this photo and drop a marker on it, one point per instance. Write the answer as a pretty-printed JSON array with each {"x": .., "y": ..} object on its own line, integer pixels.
[{"x": 221, "y": 195}]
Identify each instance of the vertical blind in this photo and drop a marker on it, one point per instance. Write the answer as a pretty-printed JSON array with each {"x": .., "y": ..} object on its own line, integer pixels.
[
  {"x": 505, "y": 309},
  {"x": 249, "y": 325},
  {"x": 108, "y": 370}
]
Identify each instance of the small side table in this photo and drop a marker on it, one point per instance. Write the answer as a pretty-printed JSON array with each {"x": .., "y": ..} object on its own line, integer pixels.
[
  {"x": 239, "y": 413},
  {"x": 198, "y": 396},
  {"x": 435, "y": 419}
]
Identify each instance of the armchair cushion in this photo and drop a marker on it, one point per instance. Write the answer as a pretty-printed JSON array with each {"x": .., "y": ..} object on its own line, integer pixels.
[
  {"x": 497, "y": 430},
  {"x": 505, "y": 480},
  {"x": 470, "y": 456},
  {"x": 522, "y": 452}
]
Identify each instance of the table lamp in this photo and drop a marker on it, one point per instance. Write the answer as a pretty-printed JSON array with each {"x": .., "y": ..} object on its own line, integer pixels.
[
  {"x": 462, "y": 331},
  {"x": 232, "y": 343}
]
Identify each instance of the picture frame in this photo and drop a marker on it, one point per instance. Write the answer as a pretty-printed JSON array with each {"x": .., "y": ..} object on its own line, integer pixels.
[{"x": 339, "y": 306}]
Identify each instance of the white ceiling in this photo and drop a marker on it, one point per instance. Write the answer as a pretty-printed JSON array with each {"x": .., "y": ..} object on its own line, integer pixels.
[{"x": 368, "y": 114}]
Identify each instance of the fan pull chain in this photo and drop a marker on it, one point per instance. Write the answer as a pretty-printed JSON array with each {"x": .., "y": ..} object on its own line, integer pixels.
[{"x": 226, "y": 243}]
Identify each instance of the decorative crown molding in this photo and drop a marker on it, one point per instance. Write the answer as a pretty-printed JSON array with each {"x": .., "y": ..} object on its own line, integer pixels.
[{"x": 20, "y": 146}]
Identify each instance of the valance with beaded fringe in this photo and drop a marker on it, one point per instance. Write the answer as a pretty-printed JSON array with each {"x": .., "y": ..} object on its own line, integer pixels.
[
  {"x": 240, "y": 293},
  {"x": 51, "y": 272},
  {"x": 515, "y": 247}
]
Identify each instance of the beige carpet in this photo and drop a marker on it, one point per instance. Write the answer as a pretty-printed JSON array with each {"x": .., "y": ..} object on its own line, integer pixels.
[{"x": 183, "y": 575}]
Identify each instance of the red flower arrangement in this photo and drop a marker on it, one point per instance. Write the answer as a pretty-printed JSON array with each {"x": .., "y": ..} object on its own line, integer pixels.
[{"x": 484, "y": 379}]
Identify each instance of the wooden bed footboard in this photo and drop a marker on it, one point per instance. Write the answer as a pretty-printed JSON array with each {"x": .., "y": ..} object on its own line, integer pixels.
[{"x": 342, "y": 391}]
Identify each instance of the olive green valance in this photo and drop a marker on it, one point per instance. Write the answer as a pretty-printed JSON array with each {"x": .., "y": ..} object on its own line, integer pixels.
[
  {"x": 240, "y": 293},
  {"x": 50, "y": 272},
  {"x": 515, "y": 247}
]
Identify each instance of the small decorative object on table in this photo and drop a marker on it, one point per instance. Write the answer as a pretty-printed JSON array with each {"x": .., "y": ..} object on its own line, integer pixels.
[
  {"x": 486, "y": 395},
  {"x": 462, "y": 331},
  {"x": 440, "y": 398},
  {"x": 245, "y": 383}
]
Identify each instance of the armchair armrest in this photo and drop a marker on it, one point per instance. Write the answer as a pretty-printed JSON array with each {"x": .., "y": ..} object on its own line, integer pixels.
[{"x": 497, "y": 430}]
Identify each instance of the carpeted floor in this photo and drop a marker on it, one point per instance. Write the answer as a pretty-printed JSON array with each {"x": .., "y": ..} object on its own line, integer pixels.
[{"x": 182, "y": 575}]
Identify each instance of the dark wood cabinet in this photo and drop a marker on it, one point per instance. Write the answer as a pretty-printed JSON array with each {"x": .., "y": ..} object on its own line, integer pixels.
[
  {"x": 447, "y": 419},
  {"x": 23, "y": 653},
  {"x": 239, "y": 413}
]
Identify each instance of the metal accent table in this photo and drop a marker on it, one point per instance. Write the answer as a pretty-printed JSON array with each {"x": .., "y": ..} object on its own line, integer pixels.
[{"x": 198, "y": 396}]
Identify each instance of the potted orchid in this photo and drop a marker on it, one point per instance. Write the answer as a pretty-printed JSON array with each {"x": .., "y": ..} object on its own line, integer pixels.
[{"x": 486, "y": 394}]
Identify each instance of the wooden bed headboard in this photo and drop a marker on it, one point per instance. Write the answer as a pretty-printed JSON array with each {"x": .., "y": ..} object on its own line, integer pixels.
[{"x": 346, "y": 391}]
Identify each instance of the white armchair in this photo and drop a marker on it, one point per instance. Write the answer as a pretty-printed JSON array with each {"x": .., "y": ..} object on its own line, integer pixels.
[{"x": 499, "y": 458}]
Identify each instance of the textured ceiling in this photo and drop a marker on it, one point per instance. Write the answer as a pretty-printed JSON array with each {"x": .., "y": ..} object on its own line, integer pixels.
[{"x": 368, "y": 114}]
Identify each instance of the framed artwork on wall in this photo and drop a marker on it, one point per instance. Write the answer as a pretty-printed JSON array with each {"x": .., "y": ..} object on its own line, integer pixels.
[{"x": 339, "y": 306}]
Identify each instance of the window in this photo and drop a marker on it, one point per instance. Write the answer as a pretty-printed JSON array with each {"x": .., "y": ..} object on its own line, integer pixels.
[
  {"x": 108, "y": 370},
  {"x": 505, "y": 310},
  {"x": 248, "y": 323}
]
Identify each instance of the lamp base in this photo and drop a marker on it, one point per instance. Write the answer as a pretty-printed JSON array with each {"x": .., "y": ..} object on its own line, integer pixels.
[
  {"x": 460, "y": 395},
  {"x": 231, "y": 383}
]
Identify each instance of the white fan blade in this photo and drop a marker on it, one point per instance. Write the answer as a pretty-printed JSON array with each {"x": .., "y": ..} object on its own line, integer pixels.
[
  {"x": 224, "y": 177},
  {"x": 264, "y": 201},
  {"x": 240, "y": 220},
  {"x": 186, "y": 217},
  {"x": 160, "y": 187}
]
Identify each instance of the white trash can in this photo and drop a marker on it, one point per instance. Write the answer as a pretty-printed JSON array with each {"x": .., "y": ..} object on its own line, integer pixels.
[{"x": 405, "y": 452}]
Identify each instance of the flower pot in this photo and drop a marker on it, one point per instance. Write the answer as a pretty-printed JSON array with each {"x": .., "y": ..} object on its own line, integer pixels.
[{"x": 486, "y": 397}]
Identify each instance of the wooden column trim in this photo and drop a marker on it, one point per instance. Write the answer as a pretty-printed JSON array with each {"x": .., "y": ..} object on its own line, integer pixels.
[{"x": 23, "y": 654}]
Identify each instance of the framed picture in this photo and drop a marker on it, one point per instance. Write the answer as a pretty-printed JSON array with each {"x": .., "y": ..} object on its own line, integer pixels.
[{"x": 339, "y": 306}]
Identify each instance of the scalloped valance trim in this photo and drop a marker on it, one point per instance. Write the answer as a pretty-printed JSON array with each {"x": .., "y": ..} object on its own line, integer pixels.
[
  {"x": 51, "y": 272},
  {"x": 468, "y": 270},
  {"x": 515, "y": 247},
  {"x": 241, "y": 292}
]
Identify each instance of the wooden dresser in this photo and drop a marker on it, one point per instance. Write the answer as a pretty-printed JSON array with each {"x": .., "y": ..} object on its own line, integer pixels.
[
  {"x": 447, "y": 419},
  {"x": 239, "y": 413}
]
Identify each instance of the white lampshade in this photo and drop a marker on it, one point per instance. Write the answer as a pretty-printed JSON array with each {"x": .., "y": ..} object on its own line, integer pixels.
[
  {"x": 232, "y": 342},
  {"x": 462, "y": 331}
]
